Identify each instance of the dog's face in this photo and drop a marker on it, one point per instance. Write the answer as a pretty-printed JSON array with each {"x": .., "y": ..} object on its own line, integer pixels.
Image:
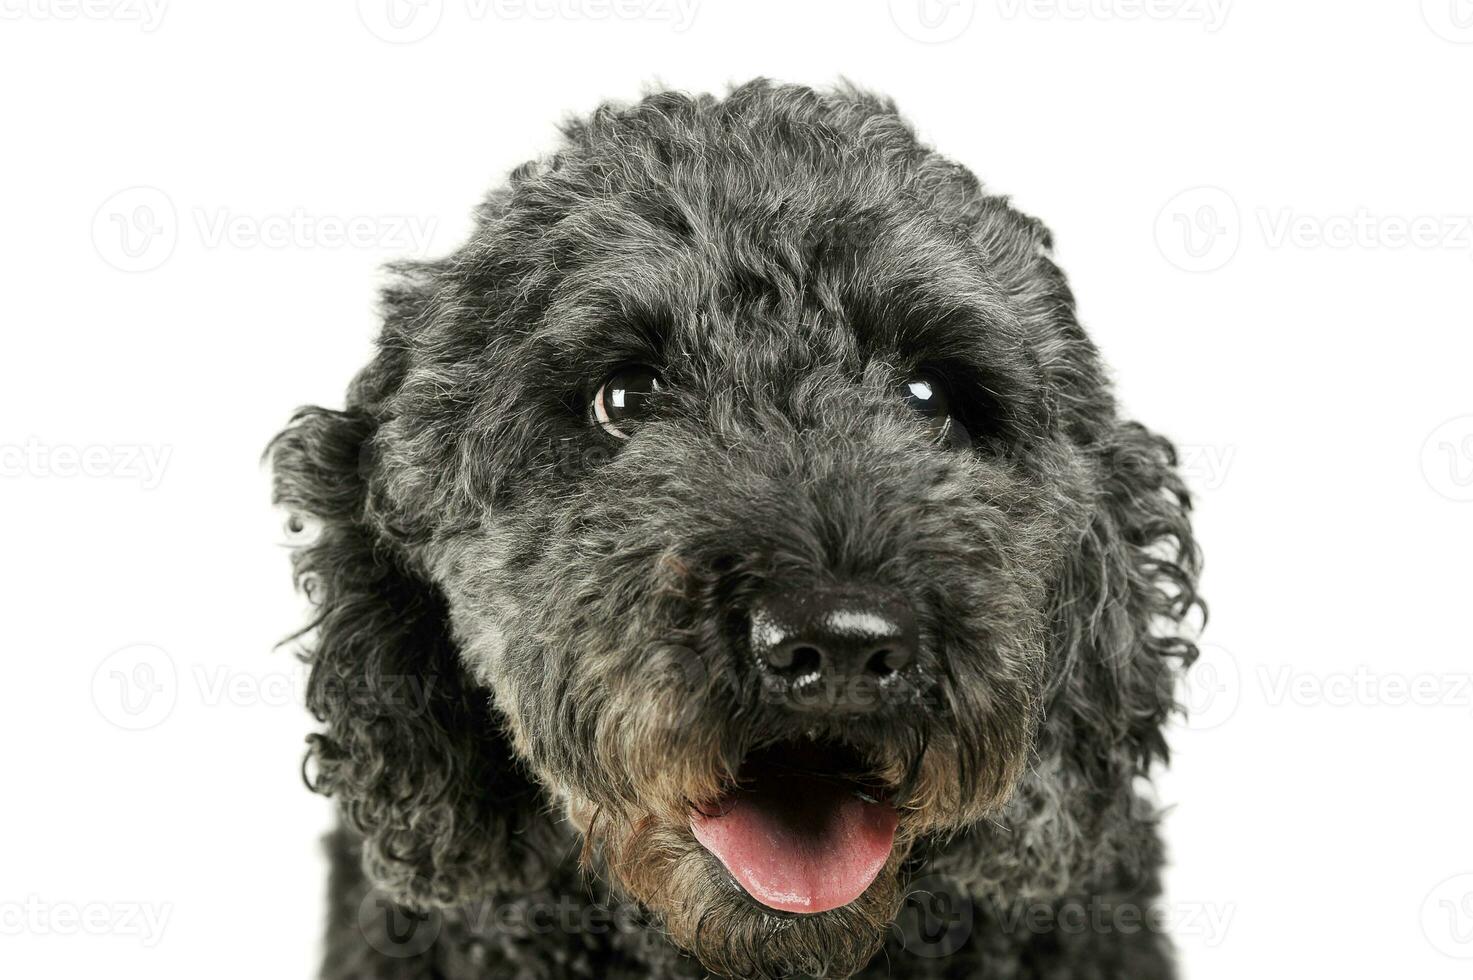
[
  {"x": 746, "y": 447},
  {"x": 759, "y": 530}
]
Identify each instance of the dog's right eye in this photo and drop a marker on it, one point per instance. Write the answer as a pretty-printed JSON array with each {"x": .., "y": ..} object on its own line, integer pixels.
[
  {"x": 926, "y": 396},
  {"x": 623, "y": 401}
]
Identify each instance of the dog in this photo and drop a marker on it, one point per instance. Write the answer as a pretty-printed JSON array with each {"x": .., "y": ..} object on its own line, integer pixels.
[{"x": 733, "y": 561}]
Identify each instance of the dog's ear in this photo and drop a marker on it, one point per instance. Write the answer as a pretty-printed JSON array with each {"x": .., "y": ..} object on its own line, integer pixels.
[
  {"x": 411, "y": 747},
  {"x": 1120, "y": 609}
]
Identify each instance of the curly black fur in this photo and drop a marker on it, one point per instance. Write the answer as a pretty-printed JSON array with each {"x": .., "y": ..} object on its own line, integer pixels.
[{"x": 525, "y": 659}]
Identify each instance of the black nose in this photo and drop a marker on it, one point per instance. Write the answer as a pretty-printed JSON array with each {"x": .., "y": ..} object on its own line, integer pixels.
[{"x": 840, "y": 640}]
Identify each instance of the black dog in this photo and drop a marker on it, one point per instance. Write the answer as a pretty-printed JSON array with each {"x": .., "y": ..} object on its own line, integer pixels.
[{"x": 735, "y": 537}]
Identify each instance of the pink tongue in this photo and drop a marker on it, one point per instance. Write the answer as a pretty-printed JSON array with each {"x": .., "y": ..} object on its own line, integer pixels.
[{"x": 799, "y": 843}]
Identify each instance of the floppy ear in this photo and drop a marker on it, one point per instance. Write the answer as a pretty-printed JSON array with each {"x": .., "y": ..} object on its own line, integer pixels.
[
  {"x": 1120, "y": 607},
  {"x": 411, "y": 749},
  {"x": 1121, "y": 599}
]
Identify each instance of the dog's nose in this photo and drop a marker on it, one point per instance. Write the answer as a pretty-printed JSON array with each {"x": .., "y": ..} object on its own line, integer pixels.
[{"x": 827, "y": 637}]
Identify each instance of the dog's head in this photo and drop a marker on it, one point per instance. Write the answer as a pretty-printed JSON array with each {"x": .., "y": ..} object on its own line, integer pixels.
[{"x": 746, "y": 490}]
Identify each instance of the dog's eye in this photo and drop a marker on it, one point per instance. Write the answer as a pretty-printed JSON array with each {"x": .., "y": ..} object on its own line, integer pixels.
[
  {"x": 927, "y": 398},
  {"x": 623, "y": 401}
]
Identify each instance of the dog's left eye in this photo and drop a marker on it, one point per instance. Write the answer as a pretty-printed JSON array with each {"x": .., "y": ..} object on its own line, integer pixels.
[
  {"x": 623, "y": 401},
  {"x": 927, "y": 398}
]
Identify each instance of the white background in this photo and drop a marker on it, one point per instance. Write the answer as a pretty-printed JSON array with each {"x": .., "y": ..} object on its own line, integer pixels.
[{"x": 1232, "y": 187}]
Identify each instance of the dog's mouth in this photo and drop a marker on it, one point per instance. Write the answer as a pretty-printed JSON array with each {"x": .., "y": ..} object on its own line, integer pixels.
[{"x": 803, "y": 830}]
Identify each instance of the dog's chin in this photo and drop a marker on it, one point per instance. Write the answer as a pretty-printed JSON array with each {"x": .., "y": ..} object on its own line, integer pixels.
[
  {"x": 708, "y": 913},
  {"x": 794, "y": 869},
  {"x": 736, "y": 935}
]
